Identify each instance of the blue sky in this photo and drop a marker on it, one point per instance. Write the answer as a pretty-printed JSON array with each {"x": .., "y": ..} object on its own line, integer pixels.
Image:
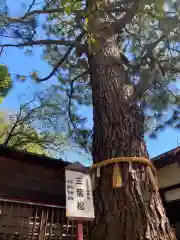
[{"x": 19, "y": 63}]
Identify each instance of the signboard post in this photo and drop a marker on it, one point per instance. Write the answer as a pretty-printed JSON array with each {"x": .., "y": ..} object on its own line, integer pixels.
[
  {"x": 79, "y": 198},
  {"x": 79, "y": 231}
]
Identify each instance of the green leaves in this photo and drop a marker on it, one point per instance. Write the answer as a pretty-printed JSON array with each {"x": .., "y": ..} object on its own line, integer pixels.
[
  {"x": 157, "y": 5},
  {"x": 71, "y": 6},
  {"x": 155, "y": 9},
  {"x": 68, "y": 8},
  {"x": 4, "y": 77},
  {"x": 5, "y": 82},
  {"x": 34, "y": 128},
  {"x": 1, "y": 99}
]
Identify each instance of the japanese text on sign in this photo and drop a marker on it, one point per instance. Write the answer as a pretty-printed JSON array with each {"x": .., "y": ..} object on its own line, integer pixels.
[{"x": 79, "y": 201}]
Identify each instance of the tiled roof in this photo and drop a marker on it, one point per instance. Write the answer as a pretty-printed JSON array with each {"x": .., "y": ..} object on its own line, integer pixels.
[
  {"x": 31, "y": 158},
  {"x": 167, "y": 158}
]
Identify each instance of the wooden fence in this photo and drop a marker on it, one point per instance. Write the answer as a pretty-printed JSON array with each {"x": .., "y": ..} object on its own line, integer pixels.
[{"x": 36, "y": 222}]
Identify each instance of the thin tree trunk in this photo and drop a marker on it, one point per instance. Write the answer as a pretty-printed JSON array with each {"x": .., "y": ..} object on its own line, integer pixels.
[
  {"x": 135, "y": 210},
  {"x": 10, "y": 134}
]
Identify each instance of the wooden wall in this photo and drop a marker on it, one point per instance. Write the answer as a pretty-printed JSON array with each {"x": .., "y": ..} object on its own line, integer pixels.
[
  {"x": 32, "y": 182},
  {"x": 169, "y": 175}
]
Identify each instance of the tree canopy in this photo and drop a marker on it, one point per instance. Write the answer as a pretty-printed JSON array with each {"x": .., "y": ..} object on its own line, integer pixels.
[
  {"x": 148, "y": 36},
  {"x": 36, "y": 127}
]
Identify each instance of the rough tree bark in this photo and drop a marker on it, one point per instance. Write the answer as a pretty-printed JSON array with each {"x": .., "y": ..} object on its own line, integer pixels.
[{"x": 134, "y": 211}]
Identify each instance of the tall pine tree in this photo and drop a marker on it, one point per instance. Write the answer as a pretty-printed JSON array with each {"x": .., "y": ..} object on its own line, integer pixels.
[{"x": 124, "y": 56}]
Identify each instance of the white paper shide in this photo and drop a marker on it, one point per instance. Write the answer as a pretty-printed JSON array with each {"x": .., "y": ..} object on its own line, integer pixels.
[{"x": 79, "y": 199}]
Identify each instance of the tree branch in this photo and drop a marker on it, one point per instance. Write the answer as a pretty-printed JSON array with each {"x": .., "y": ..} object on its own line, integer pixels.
[
  {"x": 62, "y": 60},
  {"x": 70, "y": 97},
  {"x": 149, "y": 78},
  {"x": 155, "y": 77},
  {"x": 30, "y": 7},
  {"x": 175, "y": 50},
  {"x": 42, "y": 42},
  {"x": 34, "y": 12},
  {"x": 170, "y": 67},
  {"x": 150, "y": 47},
  {"x": 10, "y": 134},
  {"x": 1, "y": 51},
  {"x": 117, "y": 6},
  {"x": 144, "y": 84},
  {"x": 131, "y": 12}
]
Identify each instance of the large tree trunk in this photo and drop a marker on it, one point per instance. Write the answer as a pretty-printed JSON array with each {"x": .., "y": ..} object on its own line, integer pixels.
[{"x": 135, "y": 210}]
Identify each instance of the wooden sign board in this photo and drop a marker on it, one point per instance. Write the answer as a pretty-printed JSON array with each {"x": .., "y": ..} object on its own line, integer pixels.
[{"x": 79, "y": 198}]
